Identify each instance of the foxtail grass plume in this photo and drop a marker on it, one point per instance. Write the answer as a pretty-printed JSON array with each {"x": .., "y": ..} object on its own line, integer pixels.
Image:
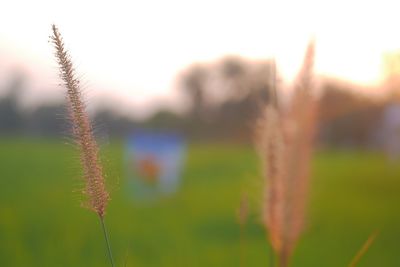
[
  {"x": 285, "y": 144},
  {"x": 97, "y": 196}
]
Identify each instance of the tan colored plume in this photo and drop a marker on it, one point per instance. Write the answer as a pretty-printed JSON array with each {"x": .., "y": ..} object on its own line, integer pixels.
[
  {"x": 285, "y": 144},
  {"x": 95, "y": 190}
]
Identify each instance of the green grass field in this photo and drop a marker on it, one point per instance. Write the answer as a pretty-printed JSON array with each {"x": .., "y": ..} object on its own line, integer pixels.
[{"x": 42, "y": 223}]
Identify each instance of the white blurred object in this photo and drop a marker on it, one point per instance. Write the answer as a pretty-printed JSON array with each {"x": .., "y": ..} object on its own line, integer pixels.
[{"x": 391, "y": 129}]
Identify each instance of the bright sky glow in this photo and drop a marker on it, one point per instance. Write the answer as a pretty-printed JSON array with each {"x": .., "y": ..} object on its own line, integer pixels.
[{"x": 133, "y": 50}]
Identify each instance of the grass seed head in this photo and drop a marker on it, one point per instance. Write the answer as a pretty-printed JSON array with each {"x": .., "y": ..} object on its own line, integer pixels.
[{"x": 97, "y": 196}]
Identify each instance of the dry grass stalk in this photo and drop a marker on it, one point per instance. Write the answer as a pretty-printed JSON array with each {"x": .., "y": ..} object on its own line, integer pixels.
[
  {"x": 95, "y": 190},
  {"x": 363, "y": 249},
  {"x": 285, "y": 143}
]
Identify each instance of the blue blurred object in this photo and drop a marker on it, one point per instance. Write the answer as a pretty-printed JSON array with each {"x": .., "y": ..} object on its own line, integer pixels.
[{"x": 154, "y": 161}]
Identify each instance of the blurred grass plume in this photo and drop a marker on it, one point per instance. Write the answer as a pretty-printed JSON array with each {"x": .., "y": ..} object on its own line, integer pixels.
[{"x": 284, "y": 138}]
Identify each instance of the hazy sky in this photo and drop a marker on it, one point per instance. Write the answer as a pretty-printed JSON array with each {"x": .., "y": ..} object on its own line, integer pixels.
[{"x": 133, "y": 50}]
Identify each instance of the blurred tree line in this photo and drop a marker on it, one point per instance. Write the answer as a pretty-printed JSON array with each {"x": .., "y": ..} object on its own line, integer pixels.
[
  {"x": 225, "y": 98},
  {"x": 46, "y": 120},
  {"x": 349, "y": 118}
]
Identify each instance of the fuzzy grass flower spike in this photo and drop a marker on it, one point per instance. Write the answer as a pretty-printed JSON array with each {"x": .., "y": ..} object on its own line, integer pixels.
[
  {"x": 285, "y": 144},
  {"x": 95, "y": 191}
]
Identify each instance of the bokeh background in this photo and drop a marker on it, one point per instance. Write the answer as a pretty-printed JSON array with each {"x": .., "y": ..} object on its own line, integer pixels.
[{"x": 201, "y": 70}]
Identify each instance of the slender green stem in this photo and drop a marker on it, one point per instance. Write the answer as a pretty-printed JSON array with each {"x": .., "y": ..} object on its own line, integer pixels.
[
  {"x": 272, "y": 261},
  {"x": 271, "y": 257},
  {"x": 126, "y": 258},
  {"x": 242, "y": 245},
  {"x": 107, "y": 241}
]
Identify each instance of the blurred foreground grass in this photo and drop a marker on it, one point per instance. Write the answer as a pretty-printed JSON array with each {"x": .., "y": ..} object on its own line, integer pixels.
[{"x": 42, "y": 223}]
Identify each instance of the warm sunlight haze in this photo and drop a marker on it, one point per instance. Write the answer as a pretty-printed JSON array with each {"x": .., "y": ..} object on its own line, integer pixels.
[
  {"x": 132, "y": 51},
  {"x": 200, "y": 133}
]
